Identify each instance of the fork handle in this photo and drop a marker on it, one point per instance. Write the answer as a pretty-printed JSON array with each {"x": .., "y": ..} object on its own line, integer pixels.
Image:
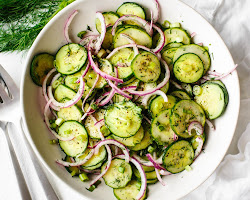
[
  {"x": 36, "y": 179},
  {"x": 25, "y": 194}
]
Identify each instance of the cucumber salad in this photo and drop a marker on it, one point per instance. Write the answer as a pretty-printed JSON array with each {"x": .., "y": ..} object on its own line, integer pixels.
[{"x": 128, "y": 102}]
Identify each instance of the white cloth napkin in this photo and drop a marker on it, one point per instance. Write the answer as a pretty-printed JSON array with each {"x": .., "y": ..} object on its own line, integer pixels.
[{"x": 232, "y": 178}]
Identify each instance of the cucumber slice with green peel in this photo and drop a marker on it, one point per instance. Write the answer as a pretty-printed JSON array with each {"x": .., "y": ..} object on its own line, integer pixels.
[
  {"x": 94, "y": 167},
  {"x": 131, "y": 82},
  {"x": 152, "y": 181},
  {"x": 183, "y": 113},
  {"x": 176, "y": 35},
  {"x": 167, "y": 55},
  {"x": 90, "y": 125},
  {"x": 146, "y": 67},
  {"x": 195, "y": 49},
  {"x": 40, "y": 67},
  {"x": 70, "y": 58},
  {"x": 129, "y": 192},
  {"x": 157, "y": 104},
  {"x": 149, "y": 175},
  {"x": 114, "y": 178},
  {"x": 123, "y": 119},
  {"x": 91, "y": 75},
  {"x": 119, "y": 98},
  {"x": 123, "y": 56},
  {"x": 180, "y": 94},
  {"x": 70, "y": 113},
  {"x": 194, "y": 143},
  {"x": 95, "y": 159},
  {"x": 79, "y": 144},
  {"x": 161, "y": 130},
  {"x": 212, "y": 99},
  {"x": 177, "y": 156},
  {"x": 70, "y": 81},
  {"x": 188, "y": 68},
  {"x": 110, "y": 19},
  {"x": 108, "y": 40},
  {"x": 139, "y": 35},
  {"x": 133, "y": 140},
  {"x": 224, "y": 87},
  {"x": 173, "y": 45},
  {"x": 62, "y": 92},
  {"x": 131, "y": 8}
]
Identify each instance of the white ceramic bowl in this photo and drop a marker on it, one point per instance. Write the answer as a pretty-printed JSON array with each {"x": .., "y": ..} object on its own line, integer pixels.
[{"x": 51, "y": 39}]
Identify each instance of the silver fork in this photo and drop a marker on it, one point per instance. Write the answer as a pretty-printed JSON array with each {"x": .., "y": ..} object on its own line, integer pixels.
[{"x": 10, "y": 112}]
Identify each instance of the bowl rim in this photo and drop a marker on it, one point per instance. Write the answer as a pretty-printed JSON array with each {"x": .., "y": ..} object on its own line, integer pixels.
[{"x": 26, "y": 67}]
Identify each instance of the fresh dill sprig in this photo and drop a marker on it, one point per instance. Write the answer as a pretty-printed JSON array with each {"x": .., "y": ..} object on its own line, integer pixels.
[{"x": 22, "y": 21}]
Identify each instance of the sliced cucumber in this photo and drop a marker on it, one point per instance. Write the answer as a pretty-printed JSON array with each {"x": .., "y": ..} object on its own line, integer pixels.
[
  {"x": 90, "y": 125},
  {"x": 188, "y": 68},
  {"x": 212, "y": 99},
  {"x": 123, "y": 56},
  {"x": 113, "y": 177},
  {"x": 180, "y": 94},
  {"x": 149, "y": 175},
  {"x": 157, "y": 104},
  {"x": 71, "y": 113},
  {"x": 40, "y": 66},
  {"x": 129, "y": 192},
  {"x": 131, "y": 8},
  {"x": 123, "y": 119},
  {"x": 146, "y": 67},
  {"x": 161, "y": 130},
  {"x": 173, "y": 45},
  {"x": 108, "y": 40},
  {"x": 139, "y": 35},
  {"x": 152, "y": 181},
  {"x": 168, "y": 54},
  {"x": 94, "y": 166},
  {"x": 196, "y": 49},
  {"x": 62, "y": 92},
  {"x": 95, "y": 159},
  {"x": 110, "y": 19},
  {"x": 79, "y": 144},
  {"x": 119, "y": 98},
  {"x": 183, "y": 113},
  {"x": 146, "y": 141},
  {"x": 70, "y": 58},
  {"x": 225, "y": 89},
  {"x": 133, "y": 140},
  {"x": 177, "y": 156},
  {"x": 177, "y": 35},
  {"x": 91, "y": 75}
]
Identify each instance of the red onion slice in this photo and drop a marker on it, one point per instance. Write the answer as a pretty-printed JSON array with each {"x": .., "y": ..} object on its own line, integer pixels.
[
  {"x": 143, "y": 23},
  {"x": 88, "y": 110},
  {"x": 131, "y": 41},
  {"x": 156, "y": 165},
  {"x": 222, "y": 76},
  {"x": 143, "y": 162},
  {"x": 200, "y": 44},
  {"x": 210, "y": 124},
  {"x": 147, "y": 119},
  {"x": 118, "y": 90},
  {"x": 165, "y": 173},
  {"x": 199, "y": 148},
  {"x": 161, "y": 43},
  {"x": 101, "y": 73},
  {"x": 196, "y": 126},
  {"x": 213, "y": 73},
  {"x": 73, "y": 101},
  {"x": 157, "y": 12},
  {"x": 152, "y": 20},
  {"x": 193, "y": 34},
  {"x": 116, "y": 143},
  {"x": 108, "y": 98},
  {"x": 159, "y": 177},
  {"x": 164, "y": 82},
  {"x": 79, "y": 163},
  {"x": 66, "y": 26},
  {"x": 157, "y": 92},
  {"x": 44, "y": 88},
  {"x": 100, "y": 122},
  {"x": 178, "y": 86},
  {"x": 103, "y": 31},
  {"x": 55, "y": 78},
  {"x": 46, "y": 119},
  {"x": 142, "y": 173}
]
